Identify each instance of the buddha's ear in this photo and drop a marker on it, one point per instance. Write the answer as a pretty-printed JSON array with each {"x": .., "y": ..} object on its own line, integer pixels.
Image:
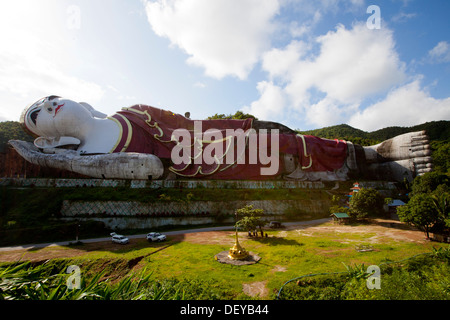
[
  {"x": 94, "y": 112},
  {"x": 45, "y": 143}
]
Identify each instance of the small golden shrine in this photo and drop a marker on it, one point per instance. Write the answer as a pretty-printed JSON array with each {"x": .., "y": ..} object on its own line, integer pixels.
[{"x": 237, "y": 252}]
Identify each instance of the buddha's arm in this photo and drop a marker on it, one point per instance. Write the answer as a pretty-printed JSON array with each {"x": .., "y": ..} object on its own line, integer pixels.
[{"x": 106, "y": 166}]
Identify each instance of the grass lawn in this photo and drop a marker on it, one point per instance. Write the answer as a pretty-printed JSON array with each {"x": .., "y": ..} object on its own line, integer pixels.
[{"x": 285, "y": 254}]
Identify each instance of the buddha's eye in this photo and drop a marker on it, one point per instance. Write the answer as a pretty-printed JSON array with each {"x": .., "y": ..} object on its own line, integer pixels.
[{"x": 50, "y": 109}]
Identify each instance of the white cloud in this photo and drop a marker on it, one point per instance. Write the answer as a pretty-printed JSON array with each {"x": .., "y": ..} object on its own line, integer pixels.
[
  {"x": 224, "y": 37},
  {"x": 297, "y": 31},
  {"x": 328, "y": 111},
  {"x": 403, "y": 17},
  {"x": 34, "y": 59},
  {"x": 270, "y": 104},
  {"x": 356, "y": 63},
  {"x": 322, "y": 81},
  {"x": 3, "y": 118},
  {"x": 352, "y": 65},
  {"x": 125, "y": 97},
  {"x": 357, "y": 2},
  {"x": 441, "y": 52},
  {"x": 200, "y": 85},
  {"x": 408, "y": 105}
]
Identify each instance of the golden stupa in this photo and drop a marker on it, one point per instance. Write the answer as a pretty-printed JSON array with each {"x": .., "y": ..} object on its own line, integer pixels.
[{"x": 237, "y": 252}]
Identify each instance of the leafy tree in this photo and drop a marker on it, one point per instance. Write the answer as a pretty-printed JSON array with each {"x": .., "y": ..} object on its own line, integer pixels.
[
  {"x": 428, "y": 182},
  {"x": 238, "y": 115},
  {"x": 420, "y": 212},
  {"x": 12, "y": 130},
  {"x": 366, "y": 202},
  {"x": 441, "y": 201},
  {"x": 252, "y": 219},
  {"x": 441, "y": 160}
]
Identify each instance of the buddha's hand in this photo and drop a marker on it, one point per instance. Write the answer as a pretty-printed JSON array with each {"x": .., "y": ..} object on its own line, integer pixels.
[{"x": 107, "y": 166}]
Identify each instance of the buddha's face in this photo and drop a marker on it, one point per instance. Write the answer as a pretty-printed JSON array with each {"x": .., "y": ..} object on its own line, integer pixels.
[{"x": 54, "y": 117}]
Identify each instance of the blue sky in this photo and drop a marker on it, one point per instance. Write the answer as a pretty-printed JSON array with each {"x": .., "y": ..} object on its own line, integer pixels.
[{"x": 307, "y": 64}]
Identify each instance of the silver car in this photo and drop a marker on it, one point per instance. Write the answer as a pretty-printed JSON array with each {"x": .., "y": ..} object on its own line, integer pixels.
[
  {"x": 117, "y": 238},
  {"x": 156, "y": 236}
]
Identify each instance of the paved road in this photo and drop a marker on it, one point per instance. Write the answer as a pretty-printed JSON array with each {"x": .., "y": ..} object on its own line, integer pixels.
[{"x": 136, "y": 236}]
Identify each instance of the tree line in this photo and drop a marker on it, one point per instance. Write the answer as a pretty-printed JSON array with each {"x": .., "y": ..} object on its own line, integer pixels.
[{"x": 11, "y": 130}]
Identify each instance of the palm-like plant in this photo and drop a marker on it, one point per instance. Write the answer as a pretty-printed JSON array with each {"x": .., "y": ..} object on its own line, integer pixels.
[{"x": 22, "y": 281}]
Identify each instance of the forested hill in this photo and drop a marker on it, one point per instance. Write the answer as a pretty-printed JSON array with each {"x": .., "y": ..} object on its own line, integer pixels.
[
  {"x": 437, "y": 131},
  {"x": 12, "y": 130}
]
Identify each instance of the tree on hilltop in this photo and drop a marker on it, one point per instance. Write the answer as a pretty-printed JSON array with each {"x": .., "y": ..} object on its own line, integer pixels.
[{"x": 238, "y": 115}]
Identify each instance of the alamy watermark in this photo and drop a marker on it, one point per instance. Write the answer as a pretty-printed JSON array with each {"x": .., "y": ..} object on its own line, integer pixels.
[
  {"x": 374, "y": 21},
  {"x": 74, "y": 280},
  {"x": 211, "y": 147},
  {"x": 374, "y": 280},
  {"x": 73, "y": 17}
]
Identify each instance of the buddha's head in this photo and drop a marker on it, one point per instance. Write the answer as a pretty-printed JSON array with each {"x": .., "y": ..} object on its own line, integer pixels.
[{"x": 53, "y": 117}]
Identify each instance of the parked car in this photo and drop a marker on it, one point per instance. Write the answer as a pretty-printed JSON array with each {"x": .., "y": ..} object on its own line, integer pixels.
[
  {"x": 275, "y": 224},
  {"x": 156, "y": 236},
  {"x": 117, "y": 238}
]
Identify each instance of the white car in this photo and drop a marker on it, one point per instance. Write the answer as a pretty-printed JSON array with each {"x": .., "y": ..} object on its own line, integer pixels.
[
  {"x": 117, "y": 238},
  {"x": 156, "y": 236}
]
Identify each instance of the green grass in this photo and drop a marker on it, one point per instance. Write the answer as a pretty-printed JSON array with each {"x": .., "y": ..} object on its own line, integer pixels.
[
  {"x": 298, "y": 255},
  {"x": 284, "y": 255}
]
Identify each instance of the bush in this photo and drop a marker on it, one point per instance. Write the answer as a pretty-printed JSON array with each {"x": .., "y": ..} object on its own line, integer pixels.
[
  {"x": 428, "y": 182},
  {"x": 424, "y": 277},
  {"x": 318, "y": 288},
  {"x": 366, "y": 202}
]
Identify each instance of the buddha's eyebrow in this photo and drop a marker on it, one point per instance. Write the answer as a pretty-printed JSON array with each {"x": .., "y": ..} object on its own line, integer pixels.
[
  {"x": 34, "y": 115},
  {"x": 50, "y": 98}
]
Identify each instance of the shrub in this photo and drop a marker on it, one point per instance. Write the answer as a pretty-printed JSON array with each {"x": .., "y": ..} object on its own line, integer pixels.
[
  {"x": 424, "y": 277},
  {"x": 366, "y": 202}
]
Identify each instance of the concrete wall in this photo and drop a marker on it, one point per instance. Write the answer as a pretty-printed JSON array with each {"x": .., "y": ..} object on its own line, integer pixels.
[
  {"x": 156, "y": 184},
  {"x": 131, "y": 214},
  {"x": 120, "y": 223}
]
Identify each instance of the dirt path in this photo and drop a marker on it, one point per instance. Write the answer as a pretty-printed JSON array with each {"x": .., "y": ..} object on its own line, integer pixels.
[{"x": 380, "y": 228}]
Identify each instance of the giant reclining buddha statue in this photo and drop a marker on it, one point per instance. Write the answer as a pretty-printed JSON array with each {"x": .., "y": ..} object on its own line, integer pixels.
[{"x": 144, "y": 142}]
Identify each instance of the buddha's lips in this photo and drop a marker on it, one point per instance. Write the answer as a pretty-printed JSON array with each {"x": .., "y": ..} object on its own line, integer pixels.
[{"x": 58, "y": 108}]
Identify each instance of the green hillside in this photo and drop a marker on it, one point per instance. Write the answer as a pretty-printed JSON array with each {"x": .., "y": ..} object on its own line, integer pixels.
[
  {"x": 436, "y": 130},
  {"x": 11, "y": 130},
  {"x": 343, "y": 132}
]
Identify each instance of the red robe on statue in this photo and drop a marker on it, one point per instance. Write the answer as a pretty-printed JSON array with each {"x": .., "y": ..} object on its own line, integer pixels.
[{"x": 146, "y": 129}]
